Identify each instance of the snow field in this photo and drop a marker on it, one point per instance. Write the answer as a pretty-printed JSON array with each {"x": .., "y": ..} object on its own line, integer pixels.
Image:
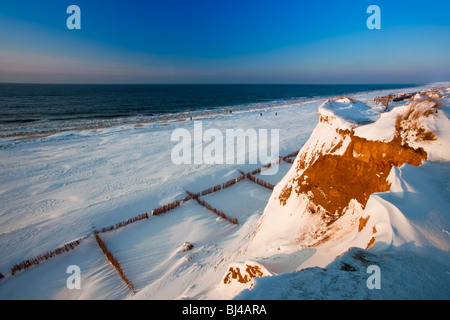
[
  {"x": 60, "y": 188},
  {"x": 404, "y": 231},
  {"x": 57, "y": 189}
]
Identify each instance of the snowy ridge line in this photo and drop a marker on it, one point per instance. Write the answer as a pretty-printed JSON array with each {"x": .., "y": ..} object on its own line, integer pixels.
[
  {"x": 115, "y": 263},
  {"x": 169, "y": 206},
  {"x": 122, "y": 224},
  {"x": 69, "y": 246},
  {"x": 394, "y": 98},
  {"x": 219, "y": 187},
  {"x": 45, "y": 256},
  {"x": 267, "y": 166},
  {"x": 293, "y": 154},
  {"x": 258, "y": 181},
  {"x": 385, "y": 100},
  {"x": 287, "y": 158},
  {"x": 220, "y": 213},
  {"x": 155, "y": 212}
]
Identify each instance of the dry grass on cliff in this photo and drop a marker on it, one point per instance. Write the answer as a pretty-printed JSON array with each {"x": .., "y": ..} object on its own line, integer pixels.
[{"x": 410, "y": 124}]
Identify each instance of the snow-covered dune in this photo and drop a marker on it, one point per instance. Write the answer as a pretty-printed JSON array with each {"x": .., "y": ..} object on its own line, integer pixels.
[
  {"x": 368, "y": 187},
  {"x": 367, "y": 179},
  {"x": 410, "y": 227},
  {"x": 60, "y": 188}
]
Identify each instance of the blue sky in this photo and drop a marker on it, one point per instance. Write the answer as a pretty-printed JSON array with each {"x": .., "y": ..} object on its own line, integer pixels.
[{"x": 216, "y": 41}]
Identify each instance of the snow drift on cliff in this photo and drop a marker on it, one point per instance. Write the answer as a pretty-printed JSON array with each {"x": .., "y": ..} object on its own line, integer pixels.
[
  {"x": 367, "y": 179},
  {"x": 410, "y": 227}
]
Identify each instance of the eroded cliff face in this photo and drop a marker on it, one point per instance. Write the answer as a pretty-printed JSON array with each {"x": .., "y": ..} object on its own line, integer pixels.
[
  {"x": 323, "y": 206},
  {"x": 324, "y": 194},
  {"x": 331, "y": 181}
]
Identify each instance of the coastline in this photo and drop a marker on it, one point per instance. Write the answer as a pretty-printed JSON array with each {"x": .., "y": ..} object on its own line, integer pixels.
[
  {"x": 78, "y": 125},
  {"x": 63, "y": 187}
]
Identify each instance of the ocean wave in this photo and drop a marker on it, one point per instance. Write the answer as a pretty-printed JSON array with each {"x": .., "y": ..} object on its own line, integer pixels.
[
  {"x": 36, "y": 127},
  {"x": 92, "y": 120}
]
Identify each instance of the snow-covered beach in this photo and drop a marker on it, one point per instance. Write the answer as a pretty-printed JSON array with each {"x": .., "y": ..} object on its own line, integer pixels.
[{"x": 62, "y": 187}]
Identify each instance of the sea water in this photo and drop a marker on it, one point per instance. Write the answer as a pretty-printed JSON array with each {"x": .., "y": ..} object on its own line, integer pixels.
[{"x": 36, "y": 109}]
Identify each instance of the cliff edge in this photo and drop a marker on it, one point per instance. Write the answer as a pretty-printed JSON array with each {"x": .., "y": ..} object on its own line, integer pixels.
[{"x": 348, "y": 184}]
